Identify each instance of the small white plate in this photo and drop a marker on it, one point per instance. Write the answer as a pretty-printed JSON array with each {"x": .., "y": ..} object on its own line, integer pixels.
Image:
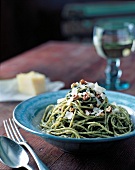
[{"x": 9, "y": 90}]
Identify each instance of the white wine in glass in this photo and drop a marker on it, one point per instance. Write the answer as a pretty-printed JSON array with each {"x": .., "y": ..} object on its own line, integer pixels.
[{"x": 113, "y": 40}]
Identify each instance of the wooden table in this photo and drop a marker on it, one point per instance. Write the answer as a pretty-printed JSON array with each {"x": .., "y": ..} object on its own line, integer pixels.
[{"x": 69, "y": 62}]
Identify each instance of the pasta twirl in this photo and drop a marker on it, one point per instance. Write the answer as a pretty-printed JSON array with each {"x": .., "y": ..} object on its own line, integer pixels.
[{"x": 85, "y": 112}]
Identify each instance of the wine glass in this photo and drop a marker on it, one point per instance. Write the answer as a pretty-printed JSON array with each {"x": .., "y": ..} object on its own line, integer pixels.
[{"x": 113, "y": 40}]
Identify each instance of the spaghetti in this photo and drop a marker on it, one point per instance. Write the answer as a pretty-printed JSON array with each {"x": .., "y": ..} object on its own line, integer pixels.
[{"x": 86, "y": 113}]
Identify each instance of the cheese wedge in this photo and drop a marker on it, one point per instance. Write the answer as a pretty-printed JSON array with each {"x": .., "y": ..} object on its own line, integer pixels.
[{"x": 32, "y": 83}]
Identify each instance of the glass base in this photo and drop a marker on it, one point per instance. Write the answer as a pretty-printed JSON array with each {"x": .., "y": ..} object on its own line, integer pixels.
[{"x": 122, "y": 85}]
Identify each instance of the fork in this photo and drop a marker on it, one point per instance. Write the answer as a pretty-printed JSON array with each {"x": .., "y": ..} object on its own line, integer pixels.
[{"x": 13, "y": 132}]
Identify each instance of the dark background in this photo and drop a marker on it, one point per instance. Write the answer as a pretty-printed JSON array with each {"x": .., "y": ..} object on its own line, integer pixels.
[{"x": 28, "y": 23}]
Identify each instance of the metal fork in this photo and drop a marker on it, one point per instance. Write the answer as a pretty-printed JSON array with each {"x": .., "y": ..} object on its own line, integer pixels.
[{"x": 13, "y": 133}]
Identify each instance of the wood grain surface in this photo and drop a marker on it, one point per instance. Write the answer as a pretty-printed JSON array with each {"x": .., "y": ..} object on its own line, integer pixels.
[{"x": 69, "y": 62}]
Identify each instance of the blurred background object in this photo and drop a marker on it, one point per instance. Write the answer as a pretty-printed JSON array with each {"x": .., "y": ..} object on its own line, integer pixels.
[
  {"x": 28, "y": 23},
  {"x": 79, "y": 19},
  {"x": 113, "y": 40}
]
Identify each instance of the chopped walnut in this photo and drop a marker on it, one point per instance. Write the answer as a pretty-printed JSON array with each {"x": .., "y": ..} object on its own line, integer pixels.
[
  {"x": 98, "y": 96},
  {"x": 86, "y": 96},
  {"x": 102, "y": 114},
  {"x": 71, "y": 109},
  {"x": 73, "y": 85},
  {"x": 82, "y": 81},
  {"x": 75, "y": 97},
  {"x": 109, "y": 109}
]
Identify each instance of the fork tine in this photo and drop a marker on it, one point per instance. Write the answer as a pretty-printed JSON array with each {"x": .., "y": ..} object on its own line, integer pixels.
[
  {"x": 13, "y": 129},
  {"x": 8, "y": 135},
  {"x": 8, "y": 130},
  {"x": 17, "y": 130}
]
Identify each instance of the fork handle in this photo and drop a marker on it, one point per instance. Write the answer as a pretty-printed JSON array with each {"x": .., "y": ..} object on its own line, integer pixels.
[
  {"x": 39, "y": 163},
  {"x": 28, "y": 167}
]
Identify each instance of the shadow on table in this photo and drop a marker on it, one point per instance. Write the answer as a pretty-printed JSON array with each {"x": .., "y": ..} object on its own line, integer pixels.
[{"x": 120, "y": 156}]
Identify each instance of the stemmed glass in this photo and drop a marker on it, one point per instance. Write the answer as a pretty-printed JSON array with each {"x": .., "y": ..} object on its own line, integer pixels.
[{"x": 113, "y": 40}]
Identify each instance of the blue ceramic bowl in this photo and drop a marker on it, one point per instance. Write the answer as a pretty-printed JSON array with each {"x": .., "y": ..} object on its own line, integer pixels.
[{"x": 28, "y": 115}]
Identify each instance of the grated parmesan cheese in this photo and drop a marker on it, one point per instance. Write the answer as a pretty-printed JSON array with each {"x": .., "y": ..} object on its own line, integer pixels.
[
  {"x": 98, "y": 88},
  {"x": 69, "y": 115},
  {"x": 74, "y": 91},
  {"x": 103, "y": 96},
  {"x": 69, "y": 101},
  {"x": 60, "y": 100}
]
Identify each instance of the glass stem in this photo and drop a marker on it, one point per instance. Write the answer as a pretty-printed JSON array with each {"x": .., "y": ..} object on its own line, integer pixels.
[{"x": 113, "y": 73}]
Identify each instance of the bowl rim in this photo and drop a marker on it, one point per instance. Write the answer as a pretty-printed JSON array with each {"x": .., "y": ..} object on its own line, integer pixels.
[{"x": 59, "y": 138}]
